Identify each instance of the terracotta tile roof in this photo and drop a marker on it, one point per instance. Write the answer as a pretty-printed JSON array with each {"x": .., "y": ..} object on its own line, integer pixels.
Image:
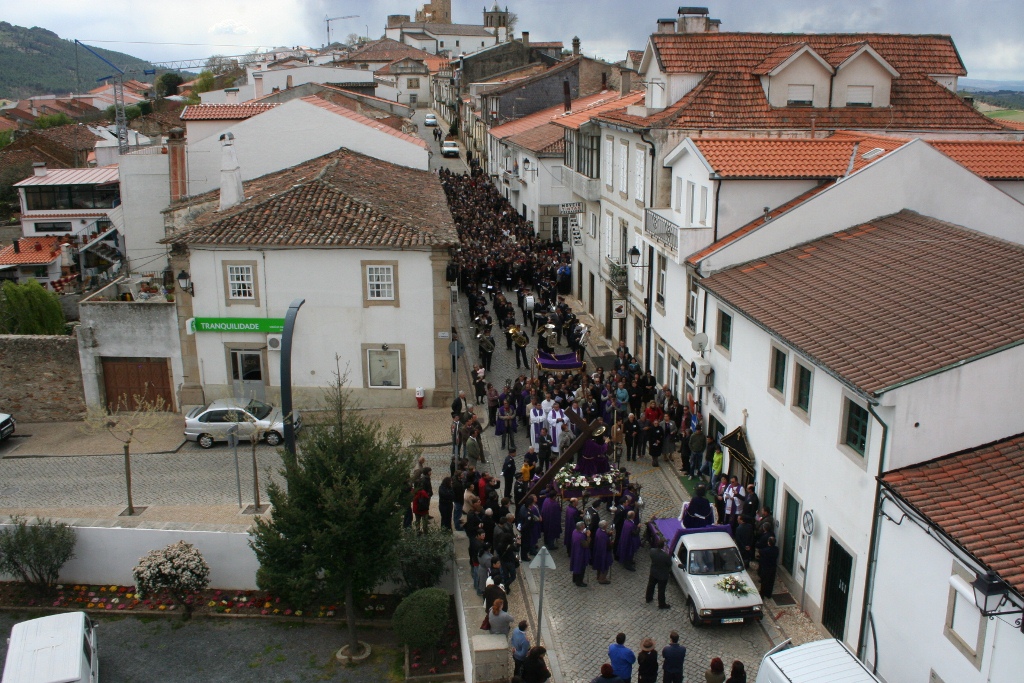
[
  {"x": 843, "y": 52},
  {"x": 990, "y": 160},
  {"x": 73, "y": 136},
  {"x": 27, "y": 156},
  {"x": 633, "y": 58},
  {"x": 731, "y": 101},
  {"x": 385, "y": 50},
  {"x": 387, "y": 71},
  {"x": 882, "y": 303},
  {"x": 544, "y": 116},
  {"x": 73, "y": 176},
  {"x": 546, "y": 138},
  {"x": 342, "y": 199},
  {"x": 777, "y": 57},
  {"x": 985, "y": 480},
  {"x": 7, "y": 124},
  {"x": 753, "y": 225},
  {"x": 546, "y": 73},
  {"x": 580, "y": 115},
  {"x": 743, "y": 52},
  {"x": 366, "y": 121},
  {"x": 1016, "y": 125},
  {"x": 224, "y": 112},
  {"x": 29, "y": 255},
  {"x": 549, "y": 45},
  {"x": 439, "y": 29},
  {"x": 784, "y": 158}
]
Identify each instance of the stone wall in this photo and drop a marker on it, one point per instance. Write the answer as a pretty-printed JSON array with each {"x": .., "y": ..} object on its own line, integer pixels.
[{"x": 40, "y": 378}]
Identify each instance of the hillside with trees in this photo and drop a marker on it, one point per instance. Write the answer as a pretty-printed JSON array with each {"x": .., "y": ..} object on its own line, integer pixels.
[{"x": 39, "y": 62}]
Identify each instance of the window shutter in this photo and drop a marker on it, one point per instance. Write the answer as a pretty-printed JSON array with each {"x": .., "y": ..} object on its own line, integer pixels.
[
  {"x": 608, "y": 160},
  {"x": 859, "y": 95},
  {"x": 638, "y": 189},
  {"x": 606, "y": 238},
  {"x": 801, "y": 94},
  {"x": 623, "y": 168}
]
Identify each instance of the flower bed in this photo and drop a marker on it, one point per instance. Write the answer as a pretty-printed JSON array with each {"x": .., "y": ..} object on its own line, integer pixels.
[
  {"x": 207, "y": 602},
  {"x": 442, "y": 662}
]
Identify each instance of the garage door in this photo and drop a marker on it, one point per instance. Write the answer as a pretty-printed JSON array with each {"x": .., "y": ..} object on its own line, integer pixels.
[{"x": 146, "y": 378}]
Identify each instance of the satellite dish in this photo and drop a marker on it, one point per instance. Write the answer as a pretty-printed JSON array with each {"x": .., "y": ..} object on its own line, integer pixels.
[{"x": 700, "y": 342}]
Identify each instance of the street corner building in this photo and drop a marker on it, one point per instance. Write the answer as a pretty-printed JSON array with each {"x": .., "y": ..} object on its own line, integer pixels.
[{"x": 364, "y": 242}]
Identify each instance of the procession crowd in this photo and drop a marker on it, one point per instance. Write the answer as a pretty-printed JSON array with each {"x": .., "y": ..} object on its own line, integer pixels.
[{"x": 500, "y": 256}]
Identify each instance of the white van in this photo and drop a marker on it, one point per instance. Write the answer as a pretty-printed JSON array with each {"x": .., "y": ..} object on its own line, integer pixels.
[
  {"x": 55, "y": 649},
  {"x": 817, "y": 662}
]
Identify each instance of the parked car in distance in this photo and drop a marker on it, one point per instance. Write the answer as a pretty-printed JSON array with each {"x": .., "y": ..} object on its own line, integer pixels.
[
  {"x": 449, "y": 148},
  {"x": 208, "y": 425},
  {"x": 820, "y": 660},
  {"x": 430, "y": 120},
  {"x": 701, "y": 558},
  {"x": 60, "y": 648},
  {"x": 7, "y": 425}
]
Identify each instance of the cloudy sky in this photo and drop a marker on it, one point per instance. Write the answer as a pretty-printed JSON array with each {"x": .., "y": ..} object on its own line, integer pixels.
[{"x": 988, "y": 33}]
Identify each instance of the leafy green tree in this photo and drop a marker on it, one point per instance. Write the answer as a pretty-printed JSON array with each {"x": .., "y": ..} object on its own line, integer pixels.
[
  {"x": 36, "y": 552},
  {"x": 338, "y": 515},
  {"x": 52, "y": 120},
  {"x": 167, "y": 83},
  {"x": 423, "y": 558},
  {"x": 205, "y": 83},
  {"x": 132, "y": 112},
  {"x": 6, "y": 138},
  {"x": 30, "y": 309},
  {"x": 419, "y": 620}
]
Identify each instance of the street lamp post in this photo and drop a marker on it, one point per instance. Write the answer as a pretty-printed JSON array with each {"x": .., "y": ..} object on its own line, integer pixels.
[
  {"x": 286, "y": 374},
  {"x": 634, "y": 260}
]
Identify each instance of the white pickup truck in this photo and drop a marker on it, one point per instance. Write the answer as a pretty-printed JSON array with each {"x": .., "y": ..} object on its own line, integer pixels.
[{"x": 703, "y": 562}]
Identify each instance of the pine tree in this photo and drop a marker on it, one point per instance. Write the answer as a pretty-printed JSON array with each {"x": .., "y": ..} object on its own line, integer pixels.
[{"x": 337, "y": 518}]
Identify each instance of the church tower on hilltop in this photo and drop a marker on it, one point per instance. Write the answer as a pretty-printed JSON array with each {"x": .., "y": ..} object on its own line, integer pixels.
[
  {"x": 436, "y": 12},
  {"x": 496, "y": 19}
]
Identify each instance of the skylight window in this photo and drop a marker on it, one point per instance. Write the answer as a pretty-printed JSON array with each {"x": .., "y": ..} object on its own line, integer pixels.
[{"x": 872, "y": 153}]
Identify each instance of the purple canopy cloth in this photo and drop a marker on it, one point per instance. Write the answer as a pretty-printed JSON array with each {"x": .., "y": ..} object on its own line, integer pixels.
[
  {"x": 602, "y": 552},
  {"x": 572, "y": 515},
  {"x": 593, "y": 459},
  {"x": 558, "y": 361},
  {"x": 629, "y": 543},
  {"x": 551, "y": 511},
  {"x": 579, "y": 557}
]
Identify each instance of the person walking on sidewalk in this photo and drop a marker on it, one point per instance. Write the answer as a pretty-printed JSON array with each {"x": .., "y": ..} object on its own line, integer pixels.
[{"x": 509, "y": 469}]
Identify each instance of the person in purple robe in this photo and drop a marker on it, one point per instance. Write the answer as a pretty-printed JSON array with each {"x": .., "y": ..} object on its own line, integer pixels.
[
  {"x": 506, "y": 425},
  {"x": 593, "y": 458},
  {"x": 572, "y": 515},
  {"x": 579, "y": 555},
  {"x": 601, "y": 554},
  {"x": 551, "y": 513},
  {"x": 629, "y": 542}
]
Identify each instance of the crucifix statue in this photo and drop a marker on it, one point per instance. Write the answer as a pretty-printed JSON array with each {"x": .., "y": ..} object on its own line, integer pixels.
[{"x": 584, "y": 442}]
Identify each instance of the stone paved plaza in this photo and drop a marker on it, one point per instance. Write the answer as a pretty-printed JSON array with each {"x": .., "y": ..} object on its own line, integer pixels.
[{"x": 584, "y": 621}]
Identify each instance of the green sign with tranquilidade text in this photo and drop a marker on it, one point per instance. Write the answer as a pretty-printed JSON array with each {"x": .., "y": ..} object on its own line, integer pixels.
[{"x": 264, "y": 325}]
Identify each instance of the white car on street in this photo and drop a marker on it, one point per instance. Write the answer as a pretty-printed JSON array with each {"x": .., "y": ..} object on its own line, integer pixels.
[
  {"x": 449, "y": 148},
  {"x": 213, "y": 423},
  {"x": 430, "y": 120}
]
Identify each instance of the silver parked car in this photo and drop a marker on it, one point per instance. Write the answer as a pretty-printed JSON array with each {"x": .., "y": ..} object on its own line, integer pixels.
[{"x": 212, "y": 423}]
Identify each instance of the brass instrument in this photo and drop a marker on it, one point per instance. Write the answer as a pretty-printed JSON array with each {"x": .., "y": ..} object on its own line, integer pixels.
[
  {"x": 549, "y": 334},
  {"x": 518, "y": 338},
  {"x": 486, "y": 343},
  {"x": 599, "y": 430}
]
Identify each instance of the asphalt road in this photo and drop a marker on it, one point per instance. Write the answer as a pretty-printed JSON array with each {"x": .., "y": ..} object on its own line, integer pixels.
[
  {"x": 457, "y": 165},
  {"x": 146, "y": 649}
]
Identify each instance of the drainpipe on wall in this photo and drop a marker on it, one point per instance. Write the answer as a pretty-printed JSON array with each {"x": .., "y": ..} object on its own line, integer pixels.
[
  {"x": 650, "y": 262},
  {"x": 718, "y": 200},
  {"x": 869, "y": 582}
]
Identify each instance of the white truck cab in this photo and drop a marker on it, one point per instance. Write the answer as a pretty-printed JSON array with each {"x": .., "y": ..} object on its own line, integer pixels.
[
  {"x": 701, "y": 559},
  {"x": 821, "y": 660},
  {"x": 57, "y": 649}
]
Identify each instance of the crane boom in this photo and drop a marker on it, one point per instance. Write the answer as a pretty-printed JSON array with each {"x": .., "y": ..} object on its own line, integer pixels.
[
  {"x": 328, "y": 20},
  {"x": 120, "y": 120}
]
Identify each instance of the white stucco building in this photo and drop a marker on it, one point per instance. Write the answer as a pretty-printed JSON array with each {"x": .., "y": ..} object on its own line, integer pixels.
[{"x": 363, "y": 241}]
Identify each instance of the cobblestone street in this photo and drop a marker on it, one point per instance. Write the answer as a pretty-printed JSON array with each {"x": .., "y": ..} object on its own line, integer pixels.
[{"x": 584, "y": 621}]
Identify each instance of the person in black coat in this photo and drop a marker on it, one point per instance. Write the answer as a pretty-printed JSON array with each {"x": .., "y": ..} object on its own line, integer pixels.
[
  {"x": 655, "y": 441},
  {"x": 534, "y": 668},
  {"x": 769, "y": 560},
  {"x": 661, "y": 571},
  {"x": 744, "y": 537},
  {"x": 446, "y": 502}
]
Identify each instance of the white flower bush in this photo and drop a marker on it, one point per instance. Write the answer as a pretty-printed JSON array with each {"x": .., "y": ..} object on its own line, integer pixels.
[
  {"x": 569, "y": 478},
  {"x": 179, "y": 568}
]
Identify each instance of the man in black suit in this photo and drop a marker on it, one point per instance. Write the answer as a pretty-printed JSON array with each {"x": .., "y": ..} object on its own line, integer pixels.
[
  {"x": 661, "y": 570},
  {"x": 460, "y": 405}
]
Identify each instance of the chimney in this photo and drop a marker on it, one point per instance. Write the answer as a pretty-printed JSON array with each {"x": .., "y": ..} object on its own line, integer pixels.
[
  {"x": 288, "y": 82},
  {"x": 257, "y": 80},
  {"x": 575, "y": 46},
  {"x": 714, "y": 25},
  {"x": 231, "y": 95},
  {"x": 17, "y": 246},
  {"x": 692, "y": 20},
  {"x": 625, "y": 82},
  {"x": 526, "y": 38},
  {"x": 230, "y": 174},
  {"x": 178, "y": 171},
  {"x": 38, "y": 169},
  {"x": 666, "y": 26}
]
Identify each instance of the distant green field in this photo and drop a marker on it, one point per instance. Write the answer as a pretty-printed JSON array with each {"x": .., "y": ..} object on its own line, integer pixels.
[{"x": 1011, "y": 114}]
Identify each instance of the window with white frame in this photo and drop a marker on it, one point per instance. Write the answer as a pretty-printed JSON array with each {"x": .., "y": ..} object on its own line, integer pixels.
[
  {"x": 639, "y": 165},
  {"x": 802, "y": 380},
  {"x": 777, "y": 364},
  {"x": 659, "y": 363},
  {"x": 662, "y": 280},
  {"x": 855, "y": 426},
  {"x": 380, "y": 283},
  {"x": 593, "y": 224},
  {"x": 606, "y": 235},
  {"x": 638, "y": 273},
  {"x": 965, "y": 628},
  {"x": 724, "y": 337},
  {"x": 859, "y": 95},
  {"x": 624, "y": 167},
  {"x": 691, "y": 301},
  {"x": 678, "y": 203},
  {"x": 609, "y": 161},
  {"x": 800, "y": 95},
  {"x": 241, "y": 282},
  {"x": 690, "y": 188},
  {"x": 673, "y": 376},
  {"x": 703, "y": 217}
]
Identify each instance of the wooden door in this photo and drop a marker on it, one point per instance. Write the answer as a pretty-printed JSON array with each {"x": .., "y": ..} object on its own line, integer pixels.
[
  {"x": 128, "y": 379},
  {"x": 837, "y": 589},
  {"x": 789, "y": 532}
]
